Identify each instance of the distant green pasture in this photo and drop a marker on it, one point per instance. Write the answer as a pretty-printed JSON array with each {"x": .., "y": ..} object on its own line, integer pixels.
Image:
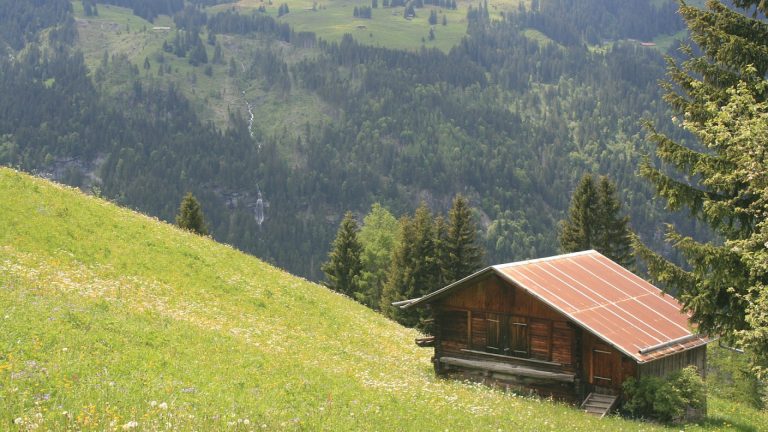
[{"x": 330, "y": 20}]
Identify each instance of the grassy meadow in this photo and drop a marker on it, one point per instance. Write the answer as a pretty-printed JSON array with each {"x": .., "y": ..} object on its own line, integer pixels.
[
  {"x": 331, "y": 19},
  {"x": 114, "y": 321}
]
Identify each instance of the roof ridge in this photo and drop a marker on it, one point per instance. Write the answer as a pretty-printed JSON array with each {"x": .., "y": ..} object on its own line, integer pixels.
[{"x": 549, "y": 258}]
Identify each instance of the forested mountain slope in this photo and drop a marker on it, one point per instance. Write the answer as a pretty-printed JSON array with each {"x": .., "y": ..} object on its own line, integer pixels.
[
  {"x": 237, "y": 106},
  {"x": 115, "y": 321}
]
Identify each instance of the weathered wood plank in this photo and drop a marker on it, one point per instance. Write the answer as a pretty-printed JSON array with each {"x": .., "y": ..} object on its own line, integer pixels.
[
  {"x": 506, "y": 368},
  {"x": 425, "y": 341}
]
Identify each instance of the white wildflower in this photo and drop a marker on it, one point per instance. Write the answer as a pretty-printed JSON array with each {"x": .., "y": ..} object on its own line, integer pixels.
[
  {"x": 153, "y": 404},
  {"x": 18, "y": 420},
  {"x": 130, "y": 425},
  {"x": 163, "y": 406}
]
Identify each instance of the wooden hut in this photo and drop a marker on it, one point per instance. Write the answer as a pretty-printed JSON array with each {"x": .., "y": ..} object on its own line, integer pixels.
[{"x": 572, "y": 326}]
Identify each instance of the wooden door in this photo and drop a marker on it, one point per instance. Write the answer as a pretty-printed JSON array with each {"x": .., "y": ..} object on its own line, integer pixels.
[{"x": 602, "y": 367}]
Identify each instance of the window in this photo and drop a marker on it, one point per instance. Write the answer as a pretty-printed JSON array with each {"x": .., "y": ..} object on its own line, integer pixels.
[
  {"x": 507, "y": 335},
  {"x": 518, "y": 337},
  {"x": 494, "y": 337}
]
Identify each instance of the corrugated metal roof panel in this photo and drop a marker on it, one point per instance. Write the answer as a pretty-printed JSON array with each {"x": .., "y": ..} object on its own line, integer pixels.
[{"x": 609, "y": 300}]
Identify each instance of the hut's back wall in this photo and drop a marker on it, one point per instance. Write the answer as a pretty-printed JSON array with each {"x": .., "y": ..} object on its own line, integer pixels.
[{"x": 665, "y": 366}]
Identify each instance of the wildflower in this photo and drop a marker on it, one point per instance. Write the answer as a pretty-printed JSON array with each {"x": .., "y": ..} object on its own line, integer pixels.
[
  {"x": 153, "y": 404},
  {"x": 163, "y": 406},
  {"x": 18, "y": 420},
  {"x": 130, "y": 425}
]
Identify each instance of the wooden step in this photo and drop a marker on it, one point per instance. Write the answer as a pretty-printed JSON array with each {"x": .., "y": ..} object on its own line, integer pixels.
[
  {"x": 602, "y": 397},
  {"x": 598, "y": 404}
]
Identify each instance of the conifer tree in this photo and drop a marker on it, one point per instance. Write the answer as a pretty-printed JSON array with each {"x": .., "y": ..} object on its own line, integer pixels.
[
  {"x": 414, "y": 271},
  {"x": 342, "y": 270},
  {"x": 719, "y": 98},
  {"x": 613, "y": 239},
  {"x": 594, "y": 222},
  {"x": 576, "y": 233},
  {"x": 399, "y": 277},
  {"x": 463, "y": 255},
  {"x": 441, "y": 249},
  {"x": 190, "y": 216}
]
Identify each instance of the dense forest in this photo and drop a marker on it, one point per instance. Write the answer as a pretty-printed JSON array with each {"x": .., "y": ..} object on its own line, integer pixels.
[
  {"x": 595, "y": 21},
  {"x": 509, "y": 122}
]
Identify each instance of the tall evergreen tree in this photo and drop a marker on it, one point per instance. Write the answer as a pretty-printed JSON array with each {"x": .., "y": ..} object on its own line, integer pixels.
[
  {"x": 342, "y": 270},
  {"x": 594, "y": 222},
  {"x": 613, "y": 239},
  {"x": 399, "y": 281},
  {"x": 441, "y": 249},
  {"x": 190, "y": 216},
  {"x": 463, "y": 255},
  {"x": 720, "y": 99},
  {"x": 414, "y": 271},
  {"x": 576, "y": 232}
]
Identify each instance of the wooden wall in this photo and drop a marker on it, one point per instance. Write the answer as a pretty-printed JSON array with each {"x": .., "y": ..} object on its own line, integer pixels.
[
  {"x": 494, "y": 295},
  {"x": 463, "y": 320},
  {"x": 664, "y": 366}
]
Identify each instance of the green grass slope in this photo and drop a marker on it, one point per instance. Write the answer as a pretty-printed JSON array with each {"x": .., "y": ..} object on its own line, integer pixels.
[{"x": 112, "y": 320}]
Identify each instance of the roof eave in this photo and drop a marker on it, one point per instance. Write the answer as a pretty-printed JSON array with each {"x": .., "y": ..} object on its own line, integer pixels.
[{"x": 704, "y": 342}]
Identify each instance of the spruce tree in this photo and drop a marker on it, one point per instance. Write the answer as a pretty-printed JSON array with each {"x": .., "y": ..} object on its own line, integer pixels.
[
  {"x": 719, "y": 97},
  {"x": 463, "y": 255},
  {"x": 342, "y": 270},
  {"x": 576, "y": 232},
  {"x": 190, "y": 216},
  {"x": 414, "y": 271},
  {"x": 594, "y": 222},
  {"x": 613, "y": 239},
  {"x": 441, "y": 249}
]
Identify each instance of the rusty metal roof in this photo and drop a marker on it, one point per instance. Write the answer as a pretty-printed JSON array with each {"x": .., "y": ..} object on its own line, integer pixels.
[{"x": 604, "y": 298}]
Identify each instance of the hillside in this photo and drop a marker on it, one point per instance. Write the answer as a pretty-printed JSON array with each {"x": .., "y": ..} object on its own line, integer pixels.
[
  {"x": 511, "y": 116},
  {"x": 111, "y": 317}
]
